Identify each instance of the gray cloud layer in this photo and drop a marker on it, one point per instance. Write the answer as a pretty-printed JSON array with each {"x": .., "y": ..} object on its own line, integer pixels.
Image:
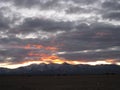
[{"x": 77, "y": 24}]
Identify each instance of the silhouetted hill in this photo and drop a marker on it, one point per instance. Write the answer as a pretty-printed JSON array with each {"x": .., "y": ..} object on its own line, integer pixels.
[{"x": 61, "y": 69}]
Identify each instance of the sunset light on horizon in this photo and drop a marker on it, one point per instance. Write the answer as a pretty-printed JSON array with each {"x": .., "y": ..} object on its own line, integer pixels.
[{"x": 59, "y": 31}]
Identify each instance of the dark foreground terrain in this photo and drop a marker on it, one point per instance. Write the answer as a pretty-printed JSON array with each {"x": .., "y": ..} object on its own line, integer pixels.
[{"x": 84, "y": 82}]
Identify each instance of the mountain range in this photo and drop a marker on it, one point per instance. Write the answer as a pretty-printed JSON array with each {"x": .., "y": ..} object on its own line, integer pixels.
[{"x": 61, "y": 69}]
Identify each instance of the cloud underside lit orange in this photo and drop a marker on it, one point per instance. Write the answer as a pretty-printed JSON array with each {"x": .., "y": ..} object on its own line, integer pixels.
[
  {"x": 52, "y": 58},
  {"x": 56, "y": 60}
]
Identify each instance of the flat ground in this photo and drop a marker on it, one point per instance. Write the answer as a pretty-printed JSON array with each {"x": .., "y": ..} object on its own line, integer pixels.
[{"x": 87, "y": 82}]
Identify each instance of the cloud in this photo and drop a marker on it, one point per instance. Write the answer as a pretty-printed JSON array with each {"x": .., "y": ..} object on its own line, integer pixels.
[
  {"x": 4, "y": 23},
  {"x": 96, "y": 54},
  {"x": 97, "y": 35},
  {"x": 46, "y": 25},
  {"x": 111, "y": 9},
  {"x": 50, "y": 4},
  {"x": 85, "y": 1},
  {"x": 112, "y": 15},
  {"x": 111, "y": 5},
  {"x": 70, "y": 25}
]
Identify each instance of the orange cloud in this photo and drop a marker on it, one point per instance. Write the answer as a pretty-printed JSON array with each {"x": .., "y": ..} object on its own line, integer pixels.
[{"x": 52, "y": 58}]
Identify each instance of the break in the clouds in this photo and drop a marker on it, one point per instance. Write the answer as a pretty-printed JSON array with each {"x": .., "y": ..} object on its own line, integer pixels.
[{"x": 86, "y": 30}]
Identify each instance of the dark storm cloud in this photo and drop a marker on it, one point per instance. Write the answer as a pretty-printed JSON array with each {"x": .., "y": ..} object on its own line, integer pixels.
[
  {"x": 92, "y": 56},
  {"x": 95, "y": 31},
  {"x": 26, "y": 3},
  {"x": 111, "y": 9},
  {"x": 95, "y": 36},
  {"x": 16, "y": 42},
  {"x": 48, "y": 4},
  {"x": 112, "y": 15},
  {"x": 111, "y": 5},
  {"x": 41, "y": 4},
  {"x": 36, "y": 24},
  {"x": 46, "y": 25},
  {"x": 14, "y": 54},
  {"x": 4, "y": 22},
  {"x": 87, "y": 25},
  {"x": 3, "y": 25},
  {"x": 85, "y": 1}
]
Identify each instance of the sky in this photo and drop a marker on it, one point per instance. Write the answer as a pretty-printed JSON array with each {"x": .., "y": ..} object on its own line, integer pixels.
[{"x": 59, "y": 31}]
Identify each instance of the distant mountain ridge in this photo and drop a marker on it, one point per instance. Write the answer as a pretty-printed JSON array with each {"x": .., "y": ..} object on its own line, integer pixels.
[{"x": 61, "y": 69}]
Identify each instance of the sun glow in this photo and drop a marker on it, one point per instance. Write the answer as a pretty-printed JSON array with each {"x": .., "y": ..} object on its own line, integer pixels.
[
  {"x": 56, "y": 60},
  {"x": 51, "y": 57}
]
